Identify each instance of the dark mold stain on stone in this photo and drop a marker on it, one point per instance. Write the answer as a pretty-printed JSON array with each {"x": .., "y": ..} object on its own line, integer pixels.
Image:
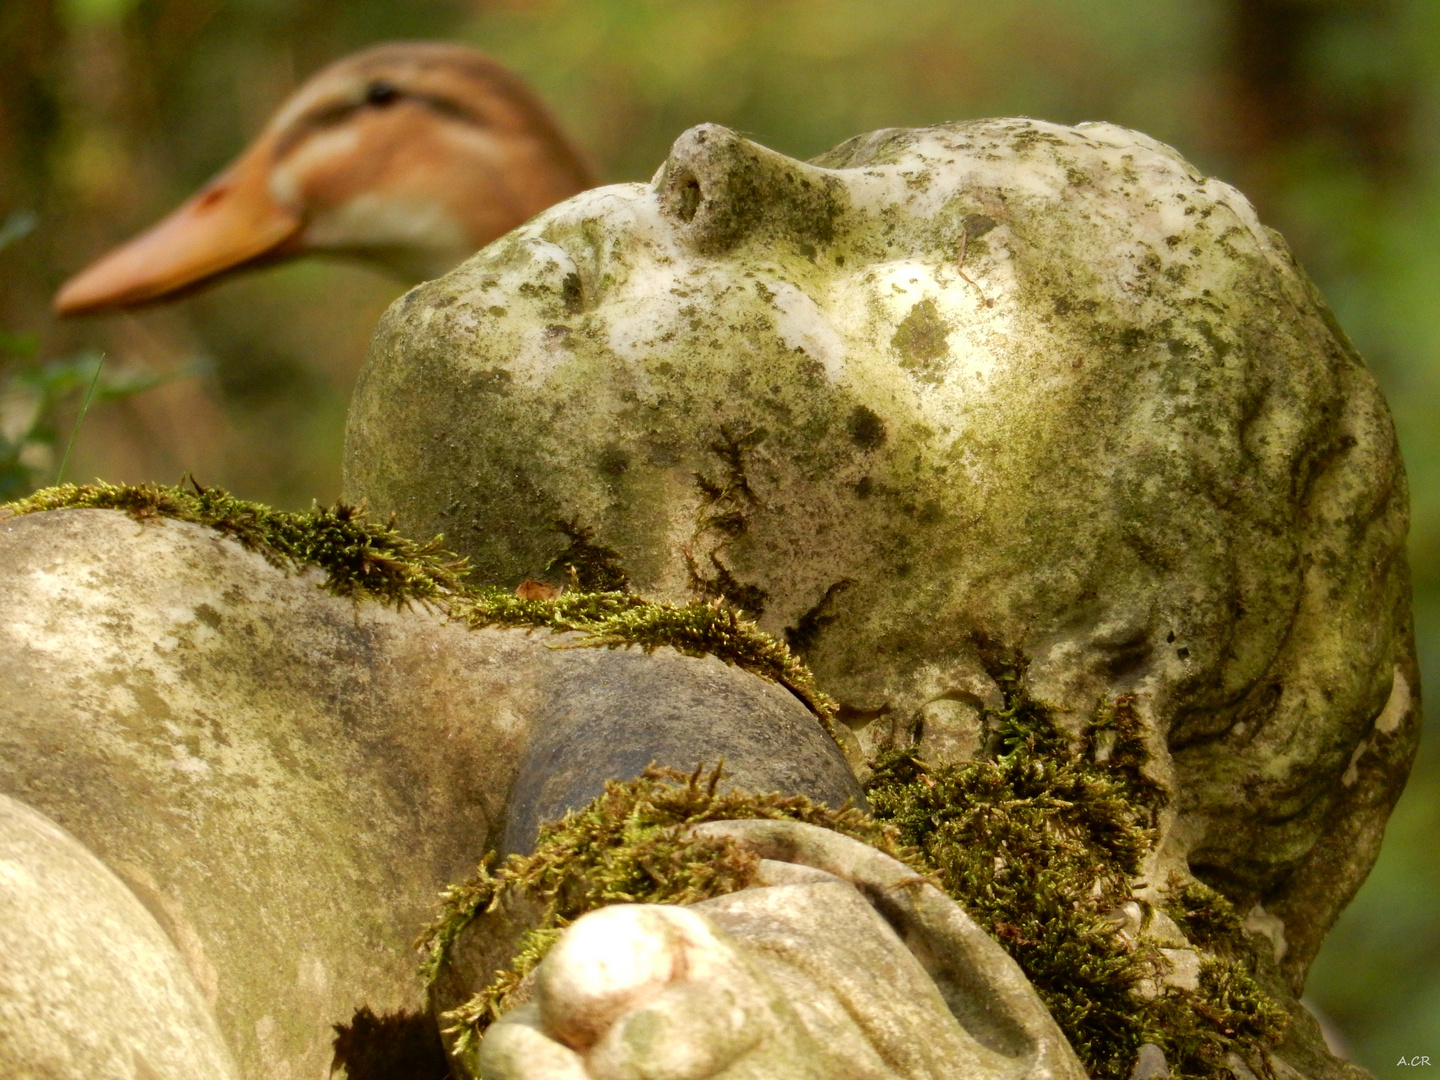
[
  {"x": 572, "y": 294},
  {"x": 977, "y": 225},
  {"x": 494, "y": 380},
  {"x": 613, "y": 462},
  {"x": 749, "y": 599},
  {"x": 594, "y": 568},
  {"x": 867, "y": 430},
  {"x": 1127, "y": 657},
  {"x": 808, "y": 627}
]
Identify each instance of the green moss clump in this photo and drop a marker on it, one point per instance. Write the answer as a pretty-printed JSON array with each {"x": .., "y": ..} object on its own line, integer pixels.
[
  {"x": 1231, "y": 1004},
  {"x": 368, "y": 560},
  {"x": 1040, "y": 842},
  {"x": 361, "y": 559},
  {"x": 616, "y": 620},
  {"x": 922, "y": 342},
  {"x": 627, "y": 846},
  {"x": 1208, "y": 919}
]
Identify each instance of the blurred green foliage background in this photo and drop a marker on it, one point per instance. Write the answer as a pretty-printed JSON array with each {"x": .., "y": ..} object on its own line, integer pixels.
[{"x": 1325, "y": 112}]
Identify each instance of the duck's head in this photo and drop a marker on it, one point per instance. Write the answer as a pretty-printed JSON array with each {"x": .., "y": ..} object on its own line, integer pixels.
[{"x": 411, "y": 155}]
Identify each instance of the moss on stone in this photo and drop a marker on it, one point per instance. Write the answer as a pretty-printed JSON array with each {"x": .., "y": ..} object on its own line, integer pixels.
[
  {"x": 1040, "y": 842},
  {"x": 370, "y": 560},
  {"x": 922, "y": 342},
  {"x": 627, "y": 846},
  {"x": 1208, "y": 919},
  {"x": 361, "y": 558},
  {"x": 616, "y": 620}
]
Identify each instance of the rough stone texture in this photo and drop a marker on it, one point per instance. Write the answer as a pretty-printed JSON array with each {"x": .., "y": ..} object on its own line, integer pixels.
[
  {"x": 947, "y": 395},
  {"x": 838, "y": 965},
  {"x": 287, "y": 779},
  {"x": 90, "y": 985}
]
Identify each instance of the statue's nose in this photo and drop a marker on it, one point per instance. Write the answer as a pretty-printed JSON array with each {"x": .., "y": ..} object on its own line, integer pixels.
[{"x": 721, "y": 189}]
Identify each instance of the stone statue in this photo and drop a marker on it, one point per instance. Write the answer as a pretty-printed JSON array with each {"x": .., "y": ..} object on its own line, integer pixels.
[
  {"x": 797, "y": 976},
  {"x": 992, "y": 396},
  {"x": 228, "y": 800},
  {"x": 995, "y": 386}
]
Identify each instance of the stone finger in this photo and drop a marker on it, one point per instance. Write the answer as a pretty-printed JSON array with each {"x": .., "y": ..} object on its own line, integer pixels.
[{"x": 515, "y": 1048}]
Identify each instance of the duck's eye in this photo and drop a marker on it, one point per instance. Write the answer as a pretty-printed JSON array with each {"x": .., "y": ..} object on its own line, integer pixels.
[{"x": 381, "y": 92}]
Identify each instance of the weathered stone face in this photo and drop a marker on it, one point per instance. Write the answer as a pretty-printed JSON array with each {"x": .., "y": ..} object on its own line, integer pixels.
[{"x": 1000, "y": 389}]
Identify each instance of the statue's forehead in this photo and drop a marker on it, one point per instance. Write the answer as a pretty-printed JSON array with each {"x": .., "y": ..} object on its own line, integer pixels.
[
  {"x": 912, "y": 167},
  {"x": 918, "y": 193}
]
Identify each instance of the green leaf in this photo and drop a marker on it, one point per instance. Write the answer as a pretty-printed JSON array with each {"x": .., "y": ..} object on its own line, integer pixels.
[{"x": 17, "y": 225}]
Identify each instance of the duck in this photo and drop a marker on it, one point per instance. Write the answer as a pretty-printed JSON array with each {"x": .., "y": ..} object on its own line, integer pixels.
[{"x": 409, "y": 155}]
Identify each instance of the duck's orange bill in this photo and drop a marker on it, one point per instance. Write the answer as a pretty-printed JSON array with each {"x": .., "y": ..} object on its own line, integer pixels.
[{"x": 231, "y": 222}]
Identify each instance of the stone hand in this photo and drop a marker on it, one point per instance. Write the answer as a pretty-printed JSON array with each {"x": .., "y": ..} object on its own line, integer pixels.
[
  {"x": 651, "y": 991},
  {"x": 817, "y": 971}
]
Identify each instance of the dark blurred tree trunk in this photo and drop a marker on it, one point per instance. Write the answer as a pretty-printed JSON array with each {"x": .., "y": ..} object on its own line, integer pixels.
[
  {"x": 28, "y": 109},
  {"x": 29, "y": 120},
  {"x": 1284, "y": 101}
]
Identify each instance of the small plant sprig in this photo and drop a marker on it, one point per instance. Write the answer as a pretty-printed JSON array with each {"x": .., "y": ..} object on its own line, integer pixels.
[{"x": 35, "y": 394}]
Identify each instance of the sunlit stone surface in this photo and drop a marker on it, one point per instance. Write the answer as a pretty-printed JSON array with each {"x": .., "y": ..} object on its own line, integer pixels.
[{"x": 90, "y": 984}]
